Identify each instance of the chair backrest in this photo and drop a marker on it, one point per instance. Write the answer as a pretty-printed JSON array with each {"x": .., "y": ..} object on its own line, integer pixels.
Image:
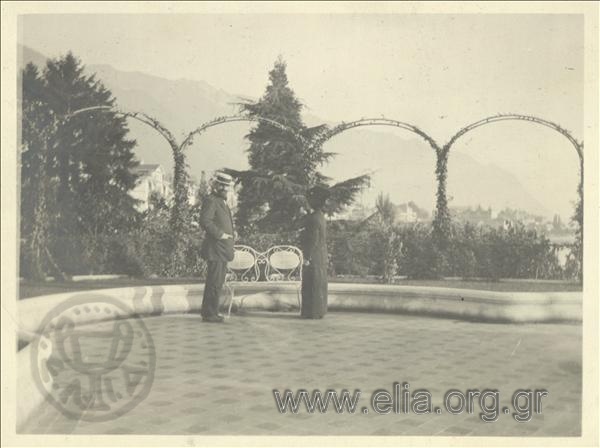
[
  {"x": 243, "y": 267},
  {"x": 284, "y": 263}
]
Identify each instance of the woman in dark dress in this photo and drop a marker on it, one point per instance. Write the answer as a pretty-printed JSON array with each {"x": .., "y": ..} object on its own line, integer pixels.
[{"x": 314, "y": 249}]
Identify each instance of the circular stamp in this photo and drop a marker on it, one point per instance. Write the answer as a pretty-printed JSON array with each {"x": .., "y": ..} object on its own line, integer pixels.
[{"x": 93, "y": 358}]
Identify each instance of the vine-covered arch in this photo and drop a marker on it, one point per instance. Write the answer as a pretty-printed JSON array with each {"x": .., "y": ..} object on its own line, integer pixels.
[
  {"x": 516, "y": 117},
  {"x": 179, "y": 172},
  {"x": 442, "y": 210},
  {"x": 139, "y": 116},
  {"x": 235, "y": 118},
  {"x": 442, "y": 217},
  {"x": 344, "y": 126},
  {"x": 180, "y": 176}
]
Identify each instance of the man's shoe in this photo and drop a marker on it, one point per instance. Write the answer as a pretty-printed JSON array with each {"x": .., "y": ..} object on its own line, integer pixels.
[{"x": 215, "y": 319}]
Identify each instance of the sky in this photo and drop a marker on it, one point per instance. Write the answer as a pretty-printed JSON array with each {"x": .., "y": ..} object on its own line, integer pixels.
[{"x": 438, "y": 71}]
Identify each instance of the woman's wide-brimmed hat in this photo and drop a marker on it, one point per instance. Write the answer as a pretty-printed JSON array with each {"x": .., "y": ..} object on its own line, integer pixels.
[
  {"x": 318, "y": 194},
  {"x": 222, "y": 178},
  {"x": 320, "y": 191}
]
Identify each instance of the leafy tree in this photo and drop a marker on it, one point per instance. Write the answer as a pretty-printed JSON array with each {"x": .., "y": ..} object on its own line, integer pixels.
[
  {"x": 385, "y": 209},
  {"x": 351, "y": 248},
  {"x": 201, "y": 193},
  {"x": 37, "y": 125},
  {"x": 94, "y": 159},
  {"x": 88, "y": 161},
  {"x": 421, "y": 213},
  {"x": 575, "y": 263},
  {"x": 156, "y": 201},
  {"x": 387, "y": 238},
  {"x": 419, "y": 254},
  {"x": 203, "y": 188}
]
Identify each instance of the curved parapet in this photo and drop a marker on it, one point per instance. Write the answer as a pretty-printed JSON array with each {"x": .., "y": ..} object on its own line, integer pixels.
[{"x": 457, "y": 303}]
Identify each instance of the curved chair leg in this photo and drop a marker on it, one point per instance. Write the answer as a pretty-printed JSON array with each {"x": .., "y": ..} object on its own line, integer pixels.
[
  {"x": 299, "y": 298},
  {"x": 231, "y": 290},
  {"x": 242, "y": 301}
]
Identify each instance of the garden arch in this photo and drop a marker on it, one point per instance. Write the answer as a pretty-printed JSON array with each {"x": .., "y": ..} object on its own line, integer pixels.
[
  {"x": 442, "y": 215},
  {"x": 516, "y": 117},
  {"x": 495, "y": 118},
  {"x": 180, "y": 175},
  {"x": 140, "y": 116},
  {"x": 235, "y": 118},
  {"x": 223, "y": 120},
  {"x": 344, "y": 126},
  {"x": 441, "y": 221}
]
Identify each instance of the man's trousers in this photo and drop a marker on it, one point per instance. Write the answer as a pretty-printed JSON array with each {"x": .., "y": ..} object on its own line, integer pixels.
[{"x": 215, "y": 277}]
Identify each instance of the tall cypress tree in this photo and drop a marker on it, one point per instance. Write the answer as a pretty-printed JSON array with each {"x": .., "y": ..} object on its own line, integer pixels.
[
  {"x": 273, "y": 153},
  {"x": 284, "y": 162}
]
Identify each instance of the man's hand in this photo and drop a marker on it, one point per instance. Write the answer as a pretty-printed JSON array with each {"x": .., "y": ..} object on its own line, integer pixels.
[{"x": 226, "y": 236}]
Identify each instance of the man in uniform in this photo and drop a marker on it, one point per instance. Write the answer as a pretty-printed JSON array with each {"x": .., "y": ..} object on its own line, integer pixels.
[{"x": 217, "y": 247}]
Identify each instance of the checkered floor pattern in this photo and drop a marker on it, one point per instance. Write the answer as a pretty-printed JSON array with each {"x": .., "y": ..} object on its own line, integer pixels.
[{"x": 218, "y": 379}]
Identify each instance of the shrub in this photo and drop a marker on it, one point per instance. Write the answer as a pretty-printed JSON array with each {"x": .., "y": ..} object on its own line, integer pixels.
[
  {"x": 499, "y": 253},
  {"x": 354, "y": 249},
  {"x": 349, "y": 250},
  {"x": 263, "y": 241},
  {"x": 420, "y": 258}
]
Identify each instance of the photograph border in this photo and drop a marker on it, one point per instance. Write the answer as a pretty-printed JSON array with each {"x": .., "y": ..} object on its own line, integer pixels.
[{"x": 9, "y": 190}]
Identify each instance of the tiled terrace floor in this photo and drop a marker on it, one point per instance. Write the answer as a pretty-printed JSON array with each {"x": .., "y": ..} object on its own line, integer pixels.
[{"x": 214, "y": 379}]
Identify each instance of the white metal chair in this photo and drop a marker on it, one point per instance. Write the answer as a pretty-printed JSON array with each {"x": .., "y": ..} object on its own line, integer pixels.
[
  {"x": 284, "y": 263},
  {"x": 279, "y": 263},
  {"x": 243, "y": 268}
]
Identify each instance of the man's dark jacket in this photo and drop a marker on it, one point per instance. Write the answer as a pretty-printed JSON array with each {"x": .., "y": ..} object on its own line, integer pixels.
[{"x": 215, "y": 219}]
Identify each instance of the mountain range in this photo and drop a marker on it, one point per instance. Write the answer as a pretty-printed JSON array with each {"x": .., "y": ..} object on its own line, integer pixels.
[{"x": 402, "y": 166}]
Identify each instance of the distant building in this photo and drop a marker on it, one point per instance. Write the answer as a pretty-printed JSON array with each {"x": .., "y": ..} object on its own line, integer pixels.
[
  {"x": 508, "y": 219},
  {"x": 406, "y": 214},
  {"x": 193, "y": 193},
  {"x": 566, "y": 239},
  {"x": 357, "y": 213},
  {"x": 478, "y": 216},
  {"x": 151, "y": 179}
]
